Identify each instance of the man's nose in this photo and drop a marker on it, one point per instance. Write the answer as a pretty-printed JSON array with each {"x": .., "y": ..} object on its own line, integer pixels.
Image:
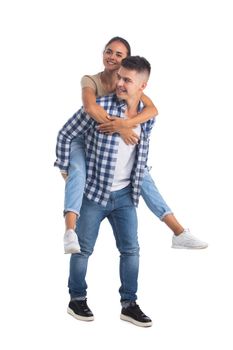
[{"x": 120, "y": 82}]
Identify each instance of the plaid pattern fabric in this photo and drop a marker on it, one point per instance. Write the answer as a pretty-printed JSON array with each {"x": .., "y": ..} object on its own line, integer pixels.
[{"x": 101, "y": 150}]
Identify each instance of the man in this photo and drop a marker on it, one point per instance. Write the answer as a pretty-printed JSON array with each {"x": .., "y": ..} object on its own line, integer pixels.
[{"x": 114, "y": 175}]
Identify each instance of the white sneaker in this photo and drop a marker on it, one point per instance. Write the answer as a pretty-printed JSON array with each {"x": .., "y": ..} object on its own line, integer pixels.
[
  {"x": 187, "y": 241},
  {"x": 71, "y": 244}
]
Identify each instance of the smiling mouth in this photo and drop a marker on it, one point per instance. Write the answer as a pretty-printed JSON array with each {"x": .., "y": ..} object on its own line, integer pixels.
[{"x": 120, "y": 90}]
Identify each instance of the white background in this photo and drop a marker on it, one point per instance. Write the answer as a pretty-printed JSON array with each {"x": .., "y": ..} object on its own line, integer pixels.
[{"x": 46, "y": 46}]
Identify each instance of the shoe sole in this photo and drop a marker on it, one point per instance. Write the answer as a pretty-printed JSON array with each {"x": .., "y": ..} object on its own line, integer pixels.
[
  {"x": 136, "y": 323},
  {"x": 71, "y": 249},
  {"x": 180, "y": 247},
  {"x": 79, "y": 317}
]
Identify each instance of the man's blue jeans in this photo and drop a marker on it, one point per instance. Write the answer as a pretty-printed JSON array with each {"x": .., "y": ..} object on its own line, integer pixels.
[
  {"x": 75, "y": 184},
  {"x": 122, "y": 216}
]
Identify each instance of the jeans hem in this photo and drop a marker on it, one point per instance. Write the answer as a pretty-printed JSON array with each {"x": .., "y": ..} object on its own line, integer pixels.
[
  {"x": 72, "y": 210},
  {"x": 165, "y": 214},
  {"x": 77, "y": 298}
]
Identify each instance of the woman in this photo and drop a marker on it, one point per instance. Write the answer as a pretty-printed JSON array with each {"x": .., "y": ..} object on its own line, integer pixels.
[{"x": 94, "y": 86}]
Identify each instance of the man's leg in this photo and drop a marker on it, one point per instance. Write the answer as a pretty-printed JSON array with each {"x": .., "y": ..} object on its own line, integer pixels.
[
  {"x": 124, "y": 223},
  {"x": 123, "y": 220},
  {"x": 91, "y": 215}
]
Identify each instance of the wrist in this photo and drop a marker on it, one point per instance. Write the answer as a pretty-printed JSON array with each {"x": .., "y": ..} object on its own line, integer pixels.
[{"x": 126, "y": 123}]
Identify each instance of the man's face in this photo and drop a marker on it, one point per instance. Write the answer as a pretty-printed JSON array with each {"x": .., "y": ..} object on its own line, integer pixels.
[{"x": 130, "y": 84}]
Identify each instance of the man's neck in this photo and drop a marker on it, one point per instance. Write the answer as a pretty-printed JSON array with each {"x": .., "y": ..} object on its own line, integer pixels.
[{"x": 132, "y": 107}]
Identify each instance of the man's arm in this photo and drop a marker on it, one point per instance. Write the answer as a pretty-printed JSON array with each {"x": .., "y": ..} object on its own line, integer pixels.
[
  {"x": 149, "y": 111},
  {"x": 77, "y": 125}
]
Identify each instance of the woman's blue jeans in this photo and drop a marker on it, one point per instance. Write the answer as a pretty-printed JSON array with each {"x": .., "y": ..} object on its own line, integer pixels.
[
  {"x": 75, "y": 184},
  {"x": 122, "y": 216}
]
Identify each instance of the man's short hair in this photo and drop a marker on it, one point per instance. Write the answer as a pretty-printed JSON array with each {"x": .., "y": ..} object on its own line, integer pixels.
[{"x": 137, "y": 63}]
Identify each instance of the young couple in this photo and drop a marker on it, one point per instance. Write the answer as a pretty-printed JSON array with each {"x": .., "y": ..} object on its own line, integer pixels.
[{"x": 102, "y": 152}]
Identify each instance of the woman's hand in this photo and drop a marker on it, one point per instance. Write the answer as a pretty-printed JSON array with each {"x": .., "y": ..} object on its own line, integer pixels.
[
  {"x": 129, "y": 136},
  {"x": 114, "y": 125},
  {"x": 120, "y": 126}
]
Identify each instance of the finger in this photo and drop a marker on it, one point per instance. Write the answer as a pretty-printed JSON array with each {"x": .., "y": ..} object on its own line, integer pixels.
[
  {"x": 135, "y": 135},
  {"x": 102, "y": 126},
  {"x": 134, "y": 140},
  {"x": 106, "y": 130}
]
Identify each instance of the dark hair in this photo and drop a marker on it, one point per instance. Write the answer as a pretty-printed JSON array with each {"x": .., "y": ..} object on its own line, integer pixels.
[
  {"x": 137, "y": 63},
  {"x": 123, "y": 41}
]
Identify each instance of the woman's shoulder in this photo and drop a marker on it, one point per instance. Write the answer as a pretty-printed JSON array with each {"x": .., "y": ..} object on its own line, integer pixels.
[
  {"x": 91, "y": 77},
  {"x": 94, "y": 82}
]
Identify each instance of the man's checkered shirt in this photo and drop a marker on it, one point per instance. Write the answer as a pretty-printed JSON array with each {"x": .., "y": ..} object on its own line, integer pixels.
[{"x": 101, "y": 150}]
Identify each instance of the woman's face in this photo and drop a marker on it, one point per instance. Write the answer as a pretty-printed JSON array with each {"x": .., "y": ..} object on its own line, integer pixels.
[{"x": 113, "y": 55}]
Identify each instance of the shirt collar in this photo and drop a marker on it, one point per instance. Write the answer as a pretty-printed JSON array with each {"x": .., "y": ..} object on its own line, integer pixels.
[{"x": 122, "y": 104}]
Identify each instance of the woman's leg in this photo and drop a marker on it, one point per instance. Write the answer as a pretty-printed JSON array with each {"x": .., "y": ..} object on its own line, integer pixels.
[
  {"x": 182, "y": 238},
  {"x": 171, "y": 221},
  {"x": 74, "y": 189},
  {"x": 157, "y": 204},
  {"x": 75, "y": 182}
]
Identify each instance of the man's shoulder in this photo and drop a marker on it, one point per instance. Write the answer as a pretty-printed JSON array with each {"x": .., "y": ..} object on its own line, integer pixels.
[
  {"x": 110, "y": 98},
  {"x": 111, "y": 104}
]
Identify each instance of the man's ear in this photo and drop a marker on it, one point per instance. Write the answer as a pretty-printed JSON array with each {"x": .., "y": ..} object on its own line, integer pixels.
[{"x": 143, "y": 86}]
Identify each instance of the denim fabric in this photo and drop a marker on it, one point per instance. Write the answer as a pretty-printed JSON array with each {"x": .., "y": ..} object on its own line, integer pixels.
[
  {"x": 75, "y": 182},
  {"x": 122, "y": 216},
  {"x": 153, "y": 198}
]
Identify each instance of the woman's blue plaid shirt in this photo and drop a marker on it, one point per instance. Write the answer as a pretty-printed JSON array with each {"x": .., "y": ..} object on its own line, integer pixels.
[{"x": 101, "y": 150}]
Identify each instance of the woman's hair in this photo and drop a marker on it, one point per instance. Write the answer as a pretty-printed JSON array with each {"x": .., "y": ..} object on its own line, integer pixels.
[{"x": 123, "y": 41}]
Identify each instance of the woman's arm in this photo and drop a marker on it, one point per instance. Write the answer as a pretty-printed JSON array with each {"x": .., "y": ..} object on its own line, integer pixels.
[
  {"x": 91, "y": 107},
  {"x": 117, "y": 125},
  {"x": 148, "y": 112}
]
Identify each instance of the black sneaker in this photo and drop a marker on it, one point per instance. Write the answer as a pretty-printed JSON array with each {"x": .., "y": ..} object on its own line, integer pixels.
[
  {"x": 134, "y": 314},
  {"x": 80, "y": 310}
]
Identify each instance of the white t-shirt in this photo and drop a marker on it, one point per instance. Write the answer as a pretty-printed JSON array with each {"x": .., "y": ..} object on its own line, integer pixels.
[{"x": 124, "y": 164}]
